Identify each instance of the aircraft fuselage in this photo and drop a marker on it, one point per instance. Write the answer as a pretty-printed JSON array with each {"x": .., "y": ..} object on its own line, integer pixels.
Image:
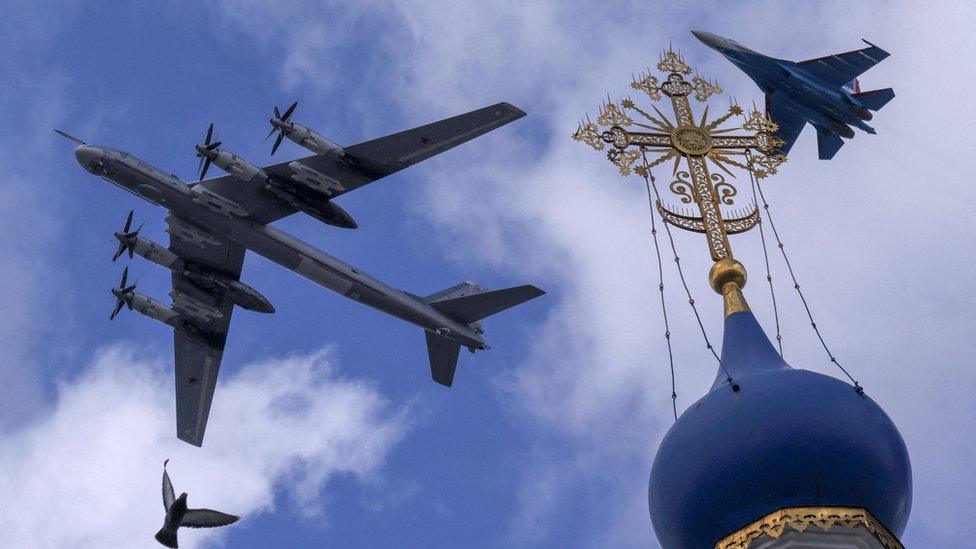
[{"x": 199, "y": 210}]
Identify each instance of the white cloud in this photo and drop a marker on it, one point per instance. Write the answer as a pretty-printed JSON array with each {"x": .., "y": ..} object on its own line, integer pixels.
[
  {"x": 887, "y": 275},
  {"x": 284, "y": 424}
]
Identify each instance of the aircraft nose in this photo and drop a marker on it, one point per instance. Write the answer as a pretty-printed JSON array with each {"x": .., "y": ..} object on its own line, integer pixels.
[
  {"x": 89, "y": 157},
  {"x": 709, "y": 39}
]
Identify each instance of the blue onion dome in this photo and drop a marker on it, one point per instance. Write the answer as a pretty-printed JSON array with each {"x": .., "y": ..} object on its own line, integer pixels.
[{"x": 785, "y": 438}]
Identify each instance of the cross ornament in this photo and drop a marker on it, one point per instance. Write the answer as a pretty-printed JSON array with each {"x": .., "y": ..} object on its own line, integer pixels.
[{"x": 695, "y": 145}]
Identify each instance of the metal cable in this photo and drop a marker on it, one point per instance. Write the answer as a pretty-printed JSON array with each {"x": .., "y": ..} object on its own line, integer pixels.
[
  {"x": 769, "y": 276},
  {"x": 649, "y": 179},
  {"x": 796, "y": 286},
  {"x": 664, "y": 309}
]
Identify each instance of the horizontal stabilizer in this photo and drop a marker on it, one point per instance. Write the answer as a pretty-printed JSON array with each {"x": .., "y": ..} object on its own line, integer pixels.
[
  {"x": 461, "y": 290},
  {"x": 472, "y": 308},
  {"x": 443, "y": 354},
  {"x": 828, "y": 143},
  {"x": 875, "y": 99}
]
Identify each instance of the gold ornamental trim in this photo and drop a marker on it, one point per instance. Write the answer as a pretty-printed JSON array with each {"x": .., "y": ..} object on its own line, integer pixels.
[
  {"x": 700, "y": 149},
  {"x": 691, "y": 140},
  {"x": 801, "y": 518}
]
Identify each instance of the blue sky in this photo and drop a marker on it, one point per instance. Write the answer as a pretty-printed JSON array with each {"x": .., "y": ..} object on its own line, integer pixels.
[{"x": 327, "y": 429}]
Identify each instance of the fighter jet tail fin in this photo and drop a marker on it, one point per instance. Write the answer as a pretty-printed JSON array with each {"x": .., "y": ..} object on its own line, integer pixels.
[
  {"x": 443, "y": 354},
  {"x": 828, "y": 143},
  {"x": 475, "y": 306},
  {"x": 875, "y": 99}
]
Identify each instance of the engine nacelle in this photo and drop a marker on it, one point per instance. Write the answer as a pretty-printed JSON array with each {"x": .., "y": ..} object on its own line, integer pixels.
[
  {"x": 158, "y": 254},
  {"x": 238, "y": 167},
  {"x": 235, "y": 291},
  {"x": 310, "y": 140},
  {"x": 322, "y": 209},
  {"x": 232, "y": 290},
  {"x": 155, "y": 310}
]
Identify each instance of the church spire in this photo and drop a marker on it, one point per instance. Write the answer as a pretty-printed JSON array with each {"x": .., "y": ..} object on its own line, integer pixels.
[{"x": 771, "y": 455}]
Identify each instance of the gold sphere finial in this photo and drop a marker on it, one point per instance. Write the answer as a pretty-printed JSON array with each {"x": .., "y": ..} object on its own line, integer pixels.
[
  {"x": 728, "y": 277},
  {"x": 725, "y": 271}
]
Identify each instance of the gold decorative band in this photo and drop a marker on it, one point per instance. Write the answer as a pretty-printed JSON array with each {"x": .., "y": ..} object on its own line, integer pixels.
[
  {"x": 696, "y": 224},
  {"x": 801, "y": 518}
]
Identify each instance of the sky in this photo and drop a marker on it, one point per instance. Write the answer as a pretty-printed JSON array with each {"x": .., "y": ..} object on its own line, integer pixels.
[{"x": 326, "y": 429}]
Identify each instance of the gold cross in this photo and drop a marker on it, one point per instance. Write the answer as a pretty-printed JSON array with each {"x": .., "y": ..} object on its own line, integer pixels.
[{"x": 693, "y": 143}]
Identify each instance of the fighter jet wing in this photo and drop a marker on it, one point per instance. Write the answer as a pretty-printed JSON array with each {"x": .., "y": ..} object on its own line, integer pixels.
[
  {"x": 789, "y": 121},
  {"x": 198, "y": 355},
  {"x": 364, "y": 162},
  {"x": 840, "y": 68}
]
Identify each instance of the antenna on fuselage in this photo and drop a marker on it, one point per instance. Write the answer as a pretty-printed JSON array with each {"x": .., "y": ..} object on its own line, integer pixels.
[{"x": 70, "y": 137}]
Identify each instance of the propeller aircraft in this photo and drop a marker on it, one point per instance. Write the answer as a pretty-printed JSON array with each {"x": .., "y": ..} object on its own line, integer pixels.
[{"x": 213, "y": 222}]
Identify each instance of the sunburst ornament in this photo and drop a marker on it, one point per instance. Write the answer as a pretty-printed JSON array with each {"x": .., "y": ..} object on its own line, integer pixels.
[{"x": 635, "y": 134}]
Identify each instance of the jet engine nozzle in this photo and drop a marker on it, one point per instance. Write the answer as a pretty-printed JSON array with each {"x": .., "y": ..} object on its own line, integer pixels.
[
  {"x": 842, "y": 130},
  {"x": 862, "y": 113}
]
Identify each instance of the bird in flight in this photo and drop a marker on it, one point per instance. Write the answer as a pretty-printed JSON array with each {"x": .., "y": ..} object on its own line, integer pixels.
[{"x": 178, "y": 515}]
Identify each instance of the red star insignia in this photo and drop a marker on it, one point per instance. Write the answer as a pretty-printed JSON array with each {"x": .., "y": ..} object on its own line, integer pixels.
[
  {"x": 424, "y": 140},
  {"x": 192, "y": 380}
]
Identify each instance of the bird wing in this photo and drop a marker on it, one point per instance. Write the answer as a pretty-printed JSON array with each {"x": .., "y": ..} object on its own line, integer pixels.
[
  {"x": 207, "y": 518},
  {"x": 168, "y": 495}
]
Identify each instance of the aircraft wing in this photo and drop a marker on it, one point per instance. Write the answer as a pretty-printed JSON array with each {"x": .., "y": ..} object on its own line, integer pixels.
[
  {"x": 840, "y": 68},
  {"x": 789, "y": 121},
  {"x": 198, "y": 357},
  {"x": 367, "y": 161}
]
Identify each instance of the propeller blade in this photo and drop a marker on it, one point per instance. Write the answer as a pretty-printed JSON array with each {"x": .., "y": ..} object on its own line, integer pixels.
[
  {"x": 125, "y": 277},
  {"x": 288, "y": 112},
  {"x": 277, "y": 112},
  {"x": 206, "y": 166},
  {"x": 214, "y": 145},
  {"x": 273, "y": 129},
  {"x": 128, "y": 222},
  {"x": 128, "y": 290},
  {"x": 118, "y": 307},
  {"x": 200, "y": 165},
  {"x": 118, "y": 253},
  {"x": 209, "y": 134},
  {"x": 277, "y": 143}
]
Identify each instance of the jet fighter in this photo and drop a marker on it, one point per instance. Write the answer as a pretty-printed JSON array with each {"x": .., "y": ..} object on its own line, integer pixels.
[
  {"x": 213, "y": 222},
  {"x": 822, "y": 91}
]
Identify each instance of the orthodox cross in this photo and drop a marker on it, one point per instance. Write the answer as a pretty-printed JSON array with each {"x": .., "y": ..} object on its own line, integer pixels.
[{"x": 690, "y": 144}]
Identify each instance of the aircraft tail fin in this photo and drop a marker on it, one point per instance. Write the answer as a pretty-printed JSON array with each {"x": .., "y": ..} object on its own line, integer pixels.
[
  {"x": 167, "y": 537},
  {"x": 469, "y": 303},
  {"x": 828, "y": 143},
  {"x": 443, "y": 354},
  {"x": 472, "y": 303},
  {"x": 875, "y": 99}
]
